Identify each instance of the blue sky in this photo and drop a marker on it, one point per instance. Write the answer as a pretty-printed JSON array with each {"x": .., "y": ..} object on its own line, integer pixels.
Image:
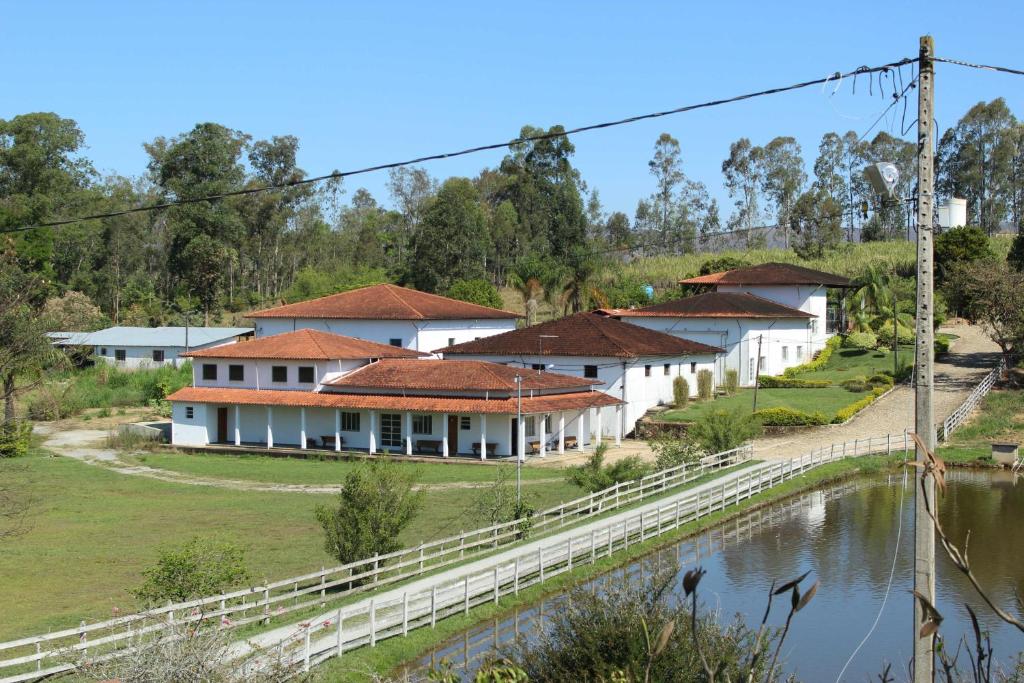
[{"x": 375, "y": 82}]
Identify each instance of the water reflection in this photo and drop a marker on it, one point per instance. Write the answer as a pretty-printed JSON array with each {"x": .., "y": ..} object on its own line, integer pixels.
[{"x": 849, "y": 534}]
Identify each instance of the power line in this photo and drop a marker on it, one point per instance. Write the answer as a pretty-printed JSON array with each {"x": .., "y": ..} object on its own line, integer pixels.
[
  {"x": 984, "y": 67},
  {"x": 337, "y": 175}
]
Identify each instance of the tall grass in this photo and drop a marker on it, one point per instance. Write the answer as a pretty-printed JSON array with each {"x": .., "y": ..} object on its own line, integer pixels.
[{"x": 104, "y": 386}]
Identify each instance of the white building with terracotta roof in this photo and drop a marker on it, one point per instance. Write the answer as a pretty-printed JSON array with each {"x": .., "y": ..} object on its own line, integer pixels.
[
  {"x": 634, "y": 364},
  {"x": 389, "y": 314},
  {"x": 314, "y": 389},
  {"x": 741, "y": 323}
]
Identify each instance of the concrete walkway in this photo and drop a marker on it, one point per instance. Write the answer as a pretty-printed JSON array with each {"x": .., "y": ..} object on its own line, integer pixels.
[{"x": 972, "y": 356}]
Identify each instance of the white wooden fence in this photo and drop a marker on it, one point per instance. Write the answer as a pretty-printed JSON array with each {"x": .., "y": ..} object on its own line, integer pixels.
[
  {"x": 963, "y": 411},
  {"x": 260, "y": 603}
]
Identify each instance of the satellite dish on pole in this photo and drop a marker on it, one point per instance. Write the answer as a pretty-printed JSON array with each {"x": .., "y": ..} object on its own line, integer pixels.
[{"x": 883, "y": 177}]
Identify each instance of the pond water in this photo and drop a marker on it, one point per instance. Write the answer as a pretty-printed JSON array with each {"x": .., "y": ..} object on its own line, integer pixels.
[{"x": 849, "y": 535}]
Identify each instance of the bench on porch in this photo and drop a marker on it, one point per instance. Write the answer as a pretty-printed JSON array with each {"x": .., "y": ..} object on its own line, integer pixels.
[
  {"x": 492, "y": 448},
  {"x": 432, "y": 445},
  {"x": 570, "y": 442},
  {"x": 328, "y": 441},
  {"x": 534, "y": 446}
]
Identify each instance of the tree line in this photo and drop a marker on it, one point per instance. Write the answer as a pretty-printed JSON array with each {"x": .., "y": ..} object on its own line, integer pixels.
[{"x": 530, "y": 222}]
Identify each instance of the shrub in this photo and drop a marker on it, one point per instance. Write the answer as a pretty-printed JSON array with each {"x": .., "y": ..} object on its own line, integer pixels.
[
  {"x": 769, "y": 382},
  {"x": 705, "y": 384},
  {"x": 819, "y": 361},
  {"x": 674, "y": 452},
  {"x": 732, "y": 381},
  {"x": 198, "y": 568},
  {"x": 594, "y": 475},
  {"x": 376, "y": 502},
  {"x": 941, "y": 345},
  {"x": 480, "y": 292},
  {"x": 723, "y": 430},
  {"x": 881, "y": 379},
  {"x": 860, "y": 340},
  {"x": 855, "y": 384},
  {"x": 680, "y": 391},
  {"x": 788, "y": 417},
  {"x": 905, "y": 335},
  {"x": 844, "y": 414},
  {"x": 15, "y": 438}
]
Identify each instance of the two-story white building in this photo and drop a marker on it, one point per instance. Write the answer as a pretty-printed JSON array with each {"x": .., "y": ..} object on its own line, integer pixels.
[
  {"x": 797, "y": 287},
  {"x": 149, "y": 347},
  {"x": 389, "y": 314},
  {"x": 742, "y": 324},
  {"x": 314, "y": 389},
  {"x": 635, "y": 364}
]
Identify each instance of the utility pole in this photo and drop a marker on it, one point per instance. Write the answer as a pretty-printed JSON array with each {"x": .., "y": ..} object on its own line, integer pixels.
[
  {"x": 757, "y": 372},
  {"x": 895, "y": 338},
  {"x": 924, "y": 425},
  {"x": 519, "y": 444}
]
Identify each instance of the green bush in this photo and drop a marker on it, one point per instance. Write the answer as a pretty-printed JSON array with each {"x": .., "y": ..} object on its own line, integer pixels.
[
  {"x": 705, "y": 384},
  {"x": 196, "y": 569},
  {"x": 674, "y": 452},
  {"x": 594, "y": 475},
  {"x": 860, "y": 340},
  {"x": 881, "y": 379},
  {"x": 905, "y": 335},
  {"x": 15, "y": 438},
  {"x": 732, "y": 381},
  {"x": 844, "y": 414},
  {"x": 723, "y": 430},
  {"x": 104, "y": 386},
  {"x": 819, "y": 361},
  {"x": 941, "y": 345},
  {"x": 788, "y": 417},
  {"x": 855, "y": 384},
  {"x": 480, "y": 292},
  {"x": 769, "y": 382},
  {"x": 680, "y": 391}
]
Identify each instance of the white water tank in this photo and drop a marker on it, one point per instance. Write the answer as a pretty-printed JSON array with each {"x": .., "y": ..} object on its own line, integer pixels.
[{"x": 953, "y": 213}]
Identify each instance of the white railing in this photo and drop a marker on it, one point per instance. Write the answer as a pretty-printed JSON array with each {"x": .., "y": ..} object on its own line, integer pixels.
[
  {"x": 260, "y": 603},
  {"x": 963, "y": 411}
]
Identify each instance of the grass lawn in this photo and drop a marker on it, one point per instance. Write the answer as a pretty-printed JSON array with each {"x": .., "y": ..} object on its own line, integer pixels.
[
  {"x": 91, "y": 532},
  {"x": 827, "y": 400},
  {"x": 261, "y": 468},
  {"x": 849, "y": 363}
]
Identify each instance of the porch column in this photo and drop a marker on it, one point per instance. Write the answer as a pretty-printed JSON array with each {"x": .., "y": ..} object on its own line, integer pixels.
[
  {"x": 337, "y": 429},
  {"x": 373, "y": 432},
  {"x": 543, "y": 435},
  {"x": 408, "y": 433},
  {"x": 561, "y": 432},
  {"x": 483, "y": 436},
  {"x": 521, "y": 440},
  {"x": 581, "y": 431},
  {"x": 596, "y": 412},
  {"x": 302, "y": 427},
  {"x": 618, "y": 425},
  {"x": 270, "y": 426},
  {"x": 238, "y": 425},
  {"x": 444, "y": 435}
]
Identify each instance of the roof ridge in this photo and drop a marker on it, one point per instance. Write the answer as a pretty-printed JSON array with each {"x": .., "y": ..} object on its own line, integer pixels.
[
  {"x": 315, "y": 338},
  {"x": 592, "y": 321},
  {"x": 391, "y": 290},
  {"x": 493, "y": 374}
]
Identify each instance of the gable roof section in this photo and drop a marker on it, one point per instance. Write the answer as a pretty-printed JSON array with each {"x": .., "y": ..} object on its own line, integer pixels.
[
  {"x": 156, "y": 336},
  {"x": 306, "y": 344},
  {"x": 386, "y": 302},
  {"x": 583, "y": 334},
  {"x": 771, "y": 274},
  {"x": 454, "y": 375},
  {"x": 714, "y": 305}
]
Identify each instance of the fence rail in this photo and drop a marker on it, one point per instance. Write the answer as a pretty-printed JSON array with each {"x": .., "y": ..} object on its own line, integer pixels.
[{"x": 260, "y": 603}]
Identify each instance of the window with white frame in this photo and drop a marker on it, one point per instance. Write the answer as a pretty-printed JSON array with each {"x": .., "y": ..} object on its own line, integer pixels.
[
  {"x": 753, "y": 369},
  {"x": 391, "y": 430},
  {"x": 422, "y": 424},
  {"x": 785, "y": 353},
  {"x": 350, "y": 422},
  {"x": 668, "y": 369},
  {"x": 814, "y": 326},
  {"x": 464, "y": 423},
  {"x": 190, "y": 412},
  {"x": 693, "y": 368},
  {"x": 547, "y": 424},
  {"x": 799, "y": 352},
  {"x": 531, "y": 426}
]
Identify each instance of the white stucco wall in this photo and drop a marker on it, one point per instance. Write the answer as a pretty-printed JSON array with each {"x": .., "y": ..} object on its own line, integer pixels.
[
  {"x": 141, "y": 357},
  {"x": 811, "y": 299},
  {"x": 258, "y": 374},
  {"x": 194, "y": 431},
  {"x": 421, "y": 335}
]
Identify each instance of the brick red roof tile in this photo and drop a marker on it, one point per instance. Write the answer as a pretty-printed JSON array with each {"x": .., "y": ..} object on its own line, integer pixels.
[
  {"x": 583, "y": 334},
  {"x": 454, "y": 375},
  {"x": 385, "y": 302},
  {"x": 714, "y": 305},
  {"x": 577, "y": 400},
  {"x": 306, "y": 345},
  {"x": 771, "y": 274}
]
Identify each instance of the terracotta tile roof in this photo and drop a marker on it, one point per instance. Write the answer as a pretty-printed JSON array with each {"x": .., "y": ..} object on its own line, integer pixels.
[
  {"x": 455, "y": 375},
  {"x": 576, "y": 400},
  {"x": 714, "y": 305},
  {"x": 306, "y": 345},
  {"x": 771, "y": 274},
  {"x": 583, "y": 334},
  {"x": 385, "y": 302}
]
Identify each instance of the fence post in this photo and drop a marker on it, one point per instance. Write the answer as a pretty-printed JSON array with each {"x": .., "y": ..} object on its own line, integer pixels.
[
  {"x": 341, "y": 640},
  {"x": 323, "y": 586},
  {"x": 433, "y": 606},
  {"x": 593, "y": 545},
  {"x": 421, "y": 556},
  {"x": 405, "y": 613},
  {"x": 888, "y": 444},
  {"x": 610, "y": 539},
  {"x": 677, "y": 513},
  {"x": 305, "y": 652},
  {"x": 462, "y": 544},
  {"x": 945, "y": 430},
  {"x": 515, "y": 578},
  {"x": 540, "y": 563},
  {"x": 266, "y": 605},
  {"x": 641, "y": 526},
  {"x": 376, "y": 568},
  {"x": 568, "y": 552},
  {"x": 855, "y": 442},
  {"x": 465, "y": 583},
  {"x": 495, "y": 585},
  {"x": 373, "y": 623},
  {"x": 906, "y": 445}
]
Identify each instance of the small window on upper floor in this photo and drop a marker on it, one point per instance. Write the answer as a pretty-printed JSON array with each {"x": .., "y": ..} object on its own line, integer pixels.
[
  {"x": 799, "y": 352},
  {"x": 814, "y": 326},
  {"x": 668, "y": 369},
  {"x": 451, "y": 341},
  {"x": 209, "y": 371},
  {"x": 693, "y": 368},
  {"x": 647, "y": 371},
  {"x": 785, "y": 353},
  {"x": 158, "y": 355},
  {"x": 236, "y": 373},
  {"x": 396, "y": 342},
  {"x": 307, "y": 375},
  {"x": 538, "y": 366},
  {"x": 279, "y": 373},
  {"x": 590, "y": 371}
]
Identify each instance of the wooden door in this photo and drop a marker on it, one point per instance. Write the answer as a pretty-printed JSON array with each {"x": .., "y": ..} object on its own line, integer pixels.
[
  {"x": 515, "y": 437},
  {"x": 222, "y": 425},
  {"x": 453, "y": 434}
]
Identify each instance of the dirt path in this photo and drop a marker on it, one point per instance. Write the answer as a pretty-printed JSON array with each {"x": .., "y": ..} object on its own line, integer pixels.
[
  {"x": 972, "y": 355},
  {"x": 86, "y": 445}
]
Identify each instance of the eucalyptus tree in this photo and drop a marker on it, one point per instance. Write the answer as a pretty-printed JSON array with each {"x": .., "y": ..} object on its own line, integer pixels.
[
  {"x": 744, "y": 178},
  {"x": 451, "y": 242},
  {"x": 783, "y": 178}
]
